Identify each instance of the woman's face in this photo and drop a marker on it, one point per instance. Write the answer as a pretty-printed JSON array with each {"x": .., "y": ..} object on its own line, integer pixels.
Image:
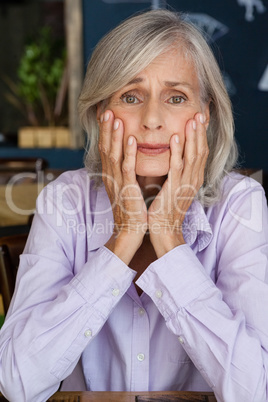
[{"x": 156, "y": 104}]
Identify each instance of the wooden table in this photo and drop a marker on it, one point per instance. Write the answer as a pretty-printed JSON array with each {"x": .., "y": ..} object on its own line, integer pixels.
[{"x": 166, "y": 396}]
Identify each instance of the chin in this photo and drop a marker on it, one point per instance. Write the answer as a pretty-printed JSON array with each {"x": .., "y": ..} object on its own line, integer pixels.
[{"x": 152, "y": 169}]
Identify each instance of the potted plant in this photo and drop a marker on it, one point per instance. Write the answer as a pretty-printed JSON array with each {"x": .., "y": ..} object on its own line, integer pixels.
[{"x": 41, "y": 92}]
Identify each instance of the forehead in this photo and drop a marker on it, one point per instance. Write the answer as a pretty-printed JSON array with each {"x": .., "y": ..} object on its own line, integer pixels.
[{"x": 171, "y": 66}]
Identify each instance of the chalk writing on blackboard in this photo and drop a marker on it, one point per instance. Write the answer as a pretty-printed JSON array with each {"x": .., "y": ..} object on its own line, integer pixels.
[
  {"x": 213, "y": 28},
  {"x": 250, "y": 5},
  {"x": 263, "y": 84}
]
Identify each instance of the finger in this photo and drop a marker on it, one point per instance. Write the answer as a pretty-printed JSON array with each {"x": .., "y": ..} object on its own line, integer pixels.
[
  {"x": 202, "y": 147},
  {"x": 116, "y": 147},
  {"x": 189, "y": 179},
  {"x": 176, "y": 156},
  {"x": 172, "y": 184},
  {"x": 129, "y": 161},
  {"x": 106, "y": 123},
  {"x": 190, "y": 149}
]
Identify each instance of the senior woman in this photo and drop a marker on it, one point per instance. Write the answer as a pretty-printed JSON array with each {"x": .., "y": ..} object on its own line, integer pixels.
[{"x": 148, "y": 269}]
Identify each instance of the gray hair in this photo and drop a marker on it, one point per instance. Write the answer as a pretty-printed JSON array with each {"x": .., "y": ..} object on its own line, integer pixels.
[{"x": 130, "y": 48}]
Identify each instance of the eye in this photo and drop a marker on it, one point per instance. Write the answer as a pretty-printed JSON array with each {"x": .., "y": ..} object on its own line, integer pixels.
[
  {"x": 129, "y": 98},
  {"x": 176, "y": 100}
]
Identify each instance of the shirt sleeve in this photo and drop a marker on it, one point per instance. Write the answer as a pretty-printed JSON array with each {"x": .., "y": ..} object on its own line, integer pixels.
[
  {"x": 55, "y": 313},
  {"x": 223, "y": 326}
]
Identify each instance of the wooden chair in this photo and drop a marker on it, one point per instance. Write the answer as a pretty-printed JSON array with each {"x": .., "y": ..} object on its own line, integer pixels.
[
  {"x": 22, "y": 164},
  {"x": 12, "y": 166},
  {"x": 10, "y": 249}
]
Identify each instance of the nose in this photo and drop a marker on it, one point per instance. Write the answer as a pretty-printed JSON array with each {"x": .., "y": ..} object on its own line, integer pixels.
[{"x": 152, "y": 118}]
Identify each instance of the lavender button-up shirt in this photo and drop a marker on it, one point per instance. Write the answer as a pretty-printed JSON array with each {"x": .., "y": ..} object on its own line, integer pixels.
[{"x": 201, "y": 322}]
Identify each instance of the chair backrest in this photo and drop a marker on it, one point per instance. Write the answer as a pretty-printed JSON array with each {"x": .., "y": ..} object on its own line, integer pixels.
[
  {"x": 10, "y": 249},
  {"x": 22, "y": 164},
  {"x": 12, "y": 166}
]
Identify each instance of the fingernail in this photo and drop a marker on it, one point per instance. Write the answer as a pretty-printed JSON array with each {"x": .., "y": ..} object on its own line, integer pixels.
[
  {"x": 202, "y": 118},
  {"x": 194, "y": 124},
  {"x": 106, "y": 116},
  {"x": 116, "y": 124},
  {"x": 130, "y": 140},
  {"x": 177, "y": 140}
]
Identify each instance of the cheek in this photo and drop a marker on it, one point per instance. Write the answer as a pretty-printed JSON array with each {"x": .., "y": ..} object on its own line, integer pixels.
[
  {"x": 130, "y": 128},
  {"x": 129, "y": 121},
  {"x": 178, "y": 125},
  {"x": 178, "y": 129}
]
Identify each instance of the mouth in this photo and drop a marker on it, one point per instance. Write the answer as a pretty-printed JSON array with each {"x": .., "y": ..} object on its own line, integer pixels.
[{"x": 153, "y": 149}]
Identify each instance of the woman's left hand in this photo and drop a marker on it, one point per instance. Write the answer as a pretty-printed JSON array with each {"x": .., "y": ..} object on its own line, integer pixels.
[{"x": 185, "y": 177}]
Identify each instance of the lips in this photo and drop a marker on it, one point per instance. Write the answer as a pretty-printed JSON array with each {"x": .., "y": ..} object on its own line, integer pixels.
[{"x": 153, "y": 149}]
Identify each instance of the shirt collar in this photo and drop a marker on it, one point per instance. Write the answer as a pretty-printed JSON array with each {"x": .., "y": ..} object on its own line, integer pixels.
[{"x": 196, "y": 226}]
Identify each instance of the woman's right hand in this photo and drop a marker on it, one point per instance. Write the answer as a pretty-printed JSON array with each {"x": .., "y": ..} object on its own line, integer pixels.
[{"x": 119, "y": 177}]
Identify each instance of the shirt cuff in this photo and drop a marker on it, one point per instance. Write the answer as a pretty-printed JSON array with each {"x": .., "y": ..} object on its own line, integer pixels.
[
  {"x": 175, "y": 280},
  {"x": 103, "y": 280}
]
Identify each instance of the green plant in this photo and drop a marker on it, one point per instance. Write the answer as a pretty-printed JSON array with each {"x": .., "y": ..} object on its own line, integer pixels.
[{"x": 41, "y": 89}]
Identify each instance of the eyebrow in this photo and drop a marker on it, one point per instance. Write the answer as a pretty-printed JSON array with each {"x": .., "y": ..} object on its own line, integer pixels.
[
  {"x": 169, "y": 84},
  {"x": 172, "y": 84},
  {"x": 135, "y": 81}
]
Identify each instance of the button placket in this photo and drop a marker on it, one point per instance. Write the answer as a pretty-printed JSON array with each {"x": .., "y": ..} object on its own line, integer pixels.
[
  {"x": 140, "y": 357},
  {"x": 140, "y": 349}
]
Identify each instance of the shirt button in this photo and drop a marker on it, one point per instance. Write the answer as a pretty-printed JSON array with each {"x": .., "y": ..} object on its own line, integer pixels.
[
  {"x": 181, "y": 339},
  {"x": 140, "y": 357},
  {"x": 158, "y": 294},
  {"x": 115, "y": 292},
  {"x": 88, "y": 333},
  {"x": 141, "y": 311}
]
